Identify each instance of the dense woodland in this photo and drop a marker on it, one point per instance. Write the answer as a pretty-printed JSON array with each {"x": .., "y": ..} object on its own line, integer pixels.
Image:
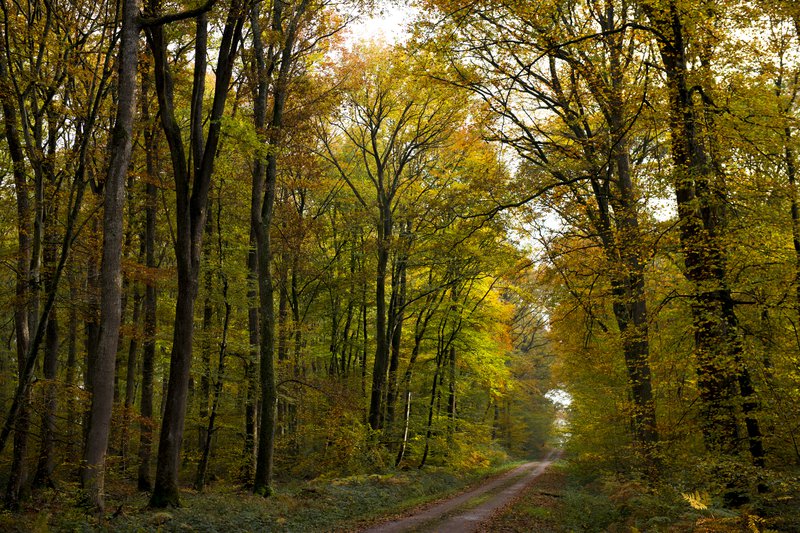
[{"x": 241, "y": 247}]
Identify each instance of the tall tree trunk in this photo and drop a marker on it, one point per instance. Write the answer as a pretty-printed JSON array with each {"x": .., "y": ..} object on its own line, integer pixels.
[
  {"x": 628, "y": 280},
  {"x": 130, "y": 372},
  {"x": 451, "y": 394},
  {"x": 92, "y": 320},
  {"x": 420, "y": 327},
  {"x": 192, "y": 189},
  {"x": 269, "y": 393},
  {"x": 71, "y": 373},
  {"x": 718, "y": 345},
  {"x": 381, "y": 364},
  {"x": 92, "y": 470},
  {"x": 205, "y": 347},
  {"x": 202, "y": 467},
  {"x": 46, "y": 463},
  {"x": 22, "y": 328},
  {"x": 150, "y": 303},
  {"x": 397, "y": 316},
  {"x": 440, "y": 356}
]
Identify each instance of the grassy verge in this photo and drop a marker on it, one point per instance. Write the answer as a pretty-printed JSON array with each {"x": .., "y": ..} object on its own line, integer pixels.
[
  {"x": 562, "y": 501},
  {"x": 539, "y": 508},
  {"x": 323, "y": 505}
]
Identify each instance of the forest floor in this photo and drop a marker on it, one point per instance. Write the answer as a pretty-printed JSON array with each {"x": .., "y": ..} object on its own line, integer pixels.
[
  {"x": 339, "y": 504},
  {"x": 468, "y": 511}
]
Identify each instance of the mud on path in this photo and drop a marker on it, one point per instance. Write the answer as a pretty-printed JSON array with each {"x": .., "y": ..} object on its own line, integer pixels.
[{"x": 465, "y": 512}]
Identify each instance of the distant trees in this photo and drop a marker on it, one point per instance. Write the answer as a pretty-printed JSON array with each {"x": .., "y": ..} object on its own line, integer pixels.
[{"x": 389, "y": 131}]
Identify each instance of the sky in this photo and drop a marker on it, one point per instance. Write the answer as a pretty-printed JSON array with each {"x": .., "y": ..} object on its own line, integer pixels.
[{"x": 387, "y": 25}]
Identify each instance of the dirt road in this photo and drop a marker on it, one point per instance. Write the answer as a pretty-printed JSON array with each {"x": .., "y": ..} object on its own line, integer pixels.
[{"x": 465, "y": 512}]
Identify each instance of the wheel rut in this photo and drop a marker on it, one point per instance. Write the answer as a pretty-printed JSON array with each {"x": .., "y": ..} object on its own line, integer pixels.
[{"x": 465, "y": 512}]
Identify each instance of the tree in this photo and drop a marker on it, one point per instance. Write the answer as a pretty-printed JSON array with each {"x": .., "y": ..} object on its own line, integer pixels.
[
  {"x": 392, "y": 125},
  {"x": 561, "y": 96},
  {"x": 192, "y": 173},
  {"x": 92, "y": 469},
  {"x": 41, "y": 43},
  {"x": 699, "y": 191}
]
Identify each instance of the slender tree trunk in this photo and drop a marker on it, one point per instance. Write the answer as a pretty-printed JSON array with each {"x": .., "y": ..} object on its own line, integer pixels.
[
  {"x": 628, "y": 282},
  {"x": 381, "y": 364},
  {"x": 202, "y": 467},
  {"x": 269, "y": 393},
  {"x": 250, "y": 366},
  {"x": 261, "y": 208},
  {"x": 46, "y": 465},
  {"x": 397, "y": 314},
  {"x": 92, "y": 321},
  {"x": 440, "y": 355},
  {"x": 22, "y": 328},
  {"x": 406, "y": 418},
  {"x": 283, "y": 308},
  {"x": 150, "y": 302},
  {"x": 205, "y": 349},
  {"x": 419, "y": 332},
  {"x": 71, "y": 373},
  {"x": 192, "y": 189},
  {"x": 718, "y": 344},
  {"x": 451, "y": 393},
  {"x": 365, "y": 344},
  {"x": 130, "y": 374},
  {"x": 92, "y": 470}
]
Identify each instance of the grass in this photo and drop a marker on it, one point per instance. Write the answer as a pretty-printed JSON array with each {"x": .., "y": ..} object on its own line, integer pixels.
[
  {"x": 323, "y": 505},
  {"x": 561, "y": 501},
  {"x": 539, "y": 508}
]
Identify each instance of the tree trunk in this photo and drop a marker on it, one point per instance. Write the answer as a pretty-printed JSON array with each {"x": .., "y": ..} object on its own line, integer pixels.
[
  {"x": 130, "y": 375},
  {"x": 397, "y": 315},
  {"x": 269, "y": 393},
  {"x": 71, "y": 373},
  {"x": 202, "y": 467},
  {"x": 440, "y": 355},
  {"x": 22, "y": 328},
  {"x": 92, "y": 470},
  {"x": 150, "y": 303},
  {"x": 381, "y": 364},
  {"x": 46, "y": 465},
  {"x": 205, "y": 348},
  {"x": 718, "y": 345},
  {"x": 451, "y": 394},
  {"x": 191, "y": 203}
]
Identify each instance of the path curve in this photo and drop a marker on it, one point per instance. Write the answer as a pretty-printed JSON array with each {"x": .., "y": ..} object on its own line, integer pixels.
[{"x": 447, "y": 517}]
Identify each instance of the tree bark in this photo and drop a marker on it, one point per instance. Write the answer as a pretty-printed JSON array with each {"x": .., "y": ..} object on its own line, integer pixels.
[
  {"x": 92, "y": 469},
  {"x": 21, "y": 305},
  {"x": 269, "y": 394},
  {"x": 150, "y": 302},
  {"x": 46, "y": 464},
  {"x": 381, "y": 364},
  {"x": 718, "y": 346},
  {"x": 192, "y": 188},
  {"x": 397, "y": 316}
]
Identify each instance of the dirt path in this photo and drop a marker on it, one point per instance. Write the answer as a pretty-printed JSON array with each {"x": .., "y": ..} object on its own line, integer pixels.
[{"x": 465, "y": 512}]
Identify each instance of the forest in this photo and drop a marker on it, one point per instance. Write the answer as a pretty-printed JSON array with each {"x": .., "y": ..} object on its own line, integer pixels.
[{"x": 254, "y": 266}]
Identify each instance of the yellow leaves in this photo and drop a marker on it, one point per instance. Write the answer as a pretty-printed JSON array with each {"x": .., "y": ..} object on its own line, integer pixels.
[{"x": 697, "y": 500}]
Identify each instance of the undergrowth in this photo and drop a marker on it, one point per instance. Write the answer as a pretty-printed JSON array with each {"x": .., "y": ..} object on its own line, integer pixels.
[{"x": 318, "y": 505}]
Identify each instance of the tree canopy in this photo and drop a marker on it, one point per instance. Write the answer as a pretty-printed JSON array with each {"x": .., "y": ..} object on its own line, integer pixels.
[{"x": 241, "y": 246}]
